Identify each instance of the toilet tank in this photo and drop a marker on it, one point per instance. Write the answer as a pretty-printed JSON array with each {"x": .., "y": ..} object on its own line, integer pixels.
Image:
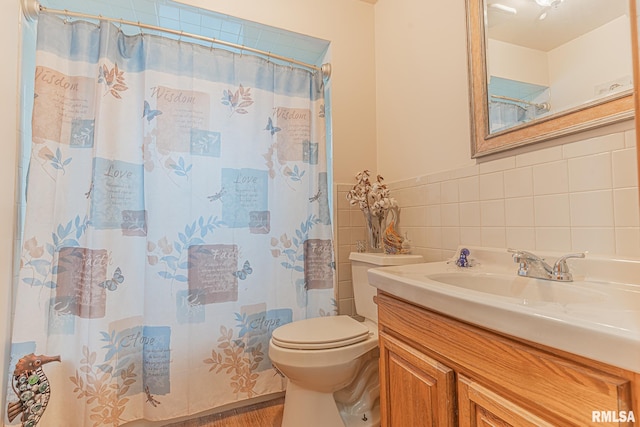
[{"x": 363, "y": 292}]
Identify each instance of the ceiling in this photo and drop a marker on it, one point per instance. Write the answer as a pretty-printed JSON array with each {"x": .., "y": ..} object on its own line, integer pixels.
[{"x": 563, "y": 23}]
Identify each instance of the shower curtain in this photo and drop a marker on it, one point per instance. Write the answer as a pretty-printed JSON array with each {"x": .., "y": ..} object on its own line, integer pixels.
[{"x": 177, "y": 213}]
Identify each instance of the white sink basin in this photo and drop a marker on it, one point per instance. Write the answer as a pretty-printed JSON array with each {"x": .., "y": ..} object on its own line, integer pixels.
[
  {"x": 525, "y": 290},
  {"x": 596, "y": 316}
]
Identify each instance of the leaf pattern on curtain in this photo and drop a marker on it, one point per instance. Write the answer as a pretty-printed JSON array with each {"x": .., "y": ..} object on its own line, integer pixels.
[
  {"x": 237, "y": 101},
  {"x": 177, "y": 213},
  {"x": 238, "y": 359},
  {"x": 113, "y": 79}
]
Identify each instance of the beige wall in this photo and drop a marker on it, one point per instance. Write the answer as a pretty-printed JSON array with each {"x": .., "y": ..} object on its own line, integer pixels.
[
  {"x": 9, "y": 34},
  {"x": 576, "y": 68},
  {"x": 510, "y": 61},
  {"x": 421, "y": 85}
]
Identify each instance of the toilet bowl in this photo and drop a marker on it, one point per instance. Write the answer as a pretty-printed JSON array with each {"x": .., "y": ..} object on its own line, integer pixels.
[{"x": 331, "y": 363}]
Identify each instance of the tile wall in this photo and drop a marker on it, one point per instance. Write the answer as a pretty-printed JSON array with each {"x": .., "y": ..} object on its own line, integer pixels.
[{"x": 581, "y": 196}]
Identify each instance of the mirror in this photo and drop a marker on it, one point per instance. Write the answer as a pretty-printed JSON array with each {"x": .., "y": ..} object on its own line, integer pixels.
[{"x": 540, "y": 69}]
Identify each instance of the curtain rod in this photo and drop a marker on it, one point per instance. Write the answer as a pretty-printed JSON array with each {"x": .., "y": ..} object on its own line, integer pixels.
[
  {"x": 325, "y": 69},
  {"x": 544, "y": 106}
]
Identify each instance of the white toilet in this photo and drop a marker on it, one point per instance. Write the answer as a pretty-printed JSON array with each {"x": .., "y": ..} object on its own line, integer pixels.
[{"x": 332, "y": 362}]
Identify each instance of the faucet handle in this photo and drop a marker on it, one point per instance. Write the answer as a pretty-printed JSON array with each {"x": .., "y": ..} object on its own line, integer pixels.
[
  {"x": 563, "y": 258},
  {"x": 561, "y": 269}
]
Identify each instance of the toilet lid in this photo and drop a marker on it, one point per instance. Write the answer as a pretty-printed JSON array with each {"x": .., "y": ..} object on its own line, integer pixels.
[{"x": 320, "y": 333}]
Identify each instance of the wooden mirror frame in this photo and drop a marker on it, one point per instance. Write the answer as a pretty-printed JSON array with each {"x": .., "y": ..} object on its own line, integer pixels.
[{"x": 605, "y": 111}]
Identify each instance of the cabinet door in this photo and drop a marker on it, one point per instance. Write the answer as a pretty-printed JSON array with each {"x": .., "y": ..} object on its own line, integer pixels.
[
  {"x": 480, "y": 407},
  {"x": 415, "y": 390}
]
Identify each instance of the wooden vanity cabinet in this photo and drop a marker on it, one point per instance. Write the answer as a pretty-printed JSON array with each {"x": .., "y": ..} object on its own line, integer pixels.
[
  {"x": 438, "y": 371},
  {"x": 419, "y": 390},
  {"x": 480, "y": 406}
]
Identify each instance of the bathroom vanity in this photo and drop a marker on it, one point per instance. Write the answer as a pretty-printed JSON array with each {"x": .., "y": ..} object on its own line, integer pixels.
[
  {"x": 451, "y": 356},
  {"x": 433, "y": 366}
]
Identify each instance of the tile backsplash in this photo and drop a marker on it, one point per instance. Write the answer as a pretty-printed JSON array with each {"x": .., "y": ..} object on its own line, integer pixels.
[{"x": 581, "y": 196}]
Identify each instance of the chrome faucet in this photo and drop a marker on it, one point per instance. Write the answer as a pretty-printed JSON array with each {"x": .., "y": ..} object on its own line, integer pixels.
[{"x": 533, "y": 266}]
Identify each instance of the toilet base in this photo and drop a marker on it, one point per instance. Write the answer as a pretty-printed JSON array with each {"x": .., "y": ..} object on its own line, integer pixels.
[
  {"x": 309, "y": 408},
  {"x": 359, "y": 402}
]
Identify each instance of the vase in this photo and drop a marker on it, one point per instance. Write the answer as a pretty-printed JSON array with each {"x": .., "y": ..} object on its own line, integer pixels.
[{"x": 375, "y": 230}]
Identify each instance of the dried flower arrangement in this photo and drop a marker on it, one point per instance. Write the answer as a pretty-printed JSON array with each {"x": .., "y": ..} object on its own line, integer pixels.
[
  {"x": 375, "y": 202},
  {"x": 373, "y": 198}
]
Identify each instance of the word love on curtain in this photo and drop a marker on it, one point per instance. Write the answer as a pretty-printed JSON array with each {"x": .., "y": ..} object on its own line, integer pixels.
[{"x": 177, "y": 212}]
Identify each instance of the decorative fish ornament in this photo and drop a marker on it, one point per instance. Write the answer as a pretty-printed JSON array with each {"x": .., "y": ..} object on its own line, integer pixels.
[
  {"x": 31, "y": 386},
  {"x": 394, "y": 243}
]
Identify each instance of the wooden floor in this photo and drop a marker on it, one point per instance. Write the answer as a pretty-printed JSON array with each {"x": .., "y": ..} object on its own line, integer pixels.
[{"x": 266, "y": 414}]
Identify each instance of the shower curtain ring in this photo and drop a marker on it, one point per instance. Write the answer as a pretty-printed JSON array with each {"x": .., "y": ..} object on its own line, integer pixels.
[
  {"x": 140, "y": 28},
  {"x": 67, "y": 18},
  {"x": 180, "y": 38}
]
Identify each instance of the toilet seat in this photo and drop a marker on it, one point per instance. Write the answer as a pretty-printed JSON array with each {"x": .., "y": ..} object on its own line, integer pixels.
[{"x": 320, "y": 333}]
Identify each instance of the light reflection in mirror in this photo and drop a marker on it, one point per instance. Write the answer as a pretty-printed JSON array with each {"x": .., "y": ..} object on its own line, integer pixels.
[{"x": 546, "y": 58}]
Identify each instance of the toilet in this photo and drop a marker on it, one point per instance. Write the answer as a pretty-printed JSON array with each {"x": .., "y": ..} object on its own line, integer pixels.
[{"x": 331, "y": 363}]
